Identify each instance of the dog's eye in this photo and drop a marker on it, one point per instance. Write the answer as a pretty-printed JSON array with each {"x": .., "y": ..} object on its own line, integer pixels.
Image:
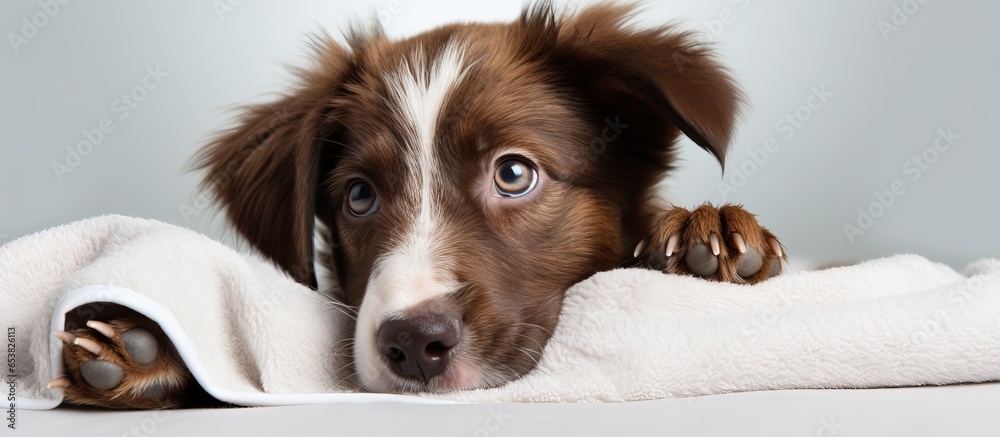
[
  {"x": 361, "y": 199},
  {"x": 514, "y": 178}
]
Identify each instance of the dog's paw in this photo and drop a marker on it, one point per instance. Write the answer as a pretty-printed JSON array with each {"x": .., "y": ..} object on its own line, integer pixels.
[
  {"x": 123, "y": 363},
  {"x": 720, "y": 244}
]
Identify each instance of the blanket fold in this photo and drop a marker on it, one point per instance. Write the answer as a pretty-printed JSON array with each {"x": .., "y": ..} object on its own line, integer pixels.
[{"x": 252, "y": 336}]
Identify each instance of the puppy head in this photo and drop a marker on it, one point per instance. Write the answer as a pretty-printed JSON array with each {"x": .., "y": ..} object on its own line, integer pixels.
[{"x": 469, "y": 175}]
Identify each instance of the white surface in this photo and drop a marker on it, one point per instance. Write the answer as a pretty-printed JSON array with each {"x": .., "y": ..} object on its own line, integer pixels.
[
  {"x": 890, "y": 97},
  {"x": 966, "y": 411}
]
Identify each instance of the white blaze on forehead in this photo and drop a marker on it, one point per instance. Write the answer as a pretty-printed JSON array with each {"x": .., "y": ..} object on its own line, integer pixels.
[
  {"x": 413, "y": 271},
  {"x": 420, "y": 93}
]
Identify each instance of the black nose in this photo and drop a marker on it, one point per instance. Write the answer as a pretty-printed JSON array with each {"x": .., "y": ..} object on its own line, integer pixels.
[{"x": 417, "y": 346}]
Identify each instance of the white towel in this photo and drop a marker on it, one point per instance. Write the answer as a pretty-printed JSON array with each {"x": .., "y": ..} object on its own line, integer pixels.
[{"x": 252, "y": 336}]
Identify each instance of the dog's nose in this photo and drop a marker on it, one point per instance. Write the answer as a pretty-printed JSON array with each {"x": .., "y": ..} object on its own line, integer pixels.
[{"x": 417, "y": 346}]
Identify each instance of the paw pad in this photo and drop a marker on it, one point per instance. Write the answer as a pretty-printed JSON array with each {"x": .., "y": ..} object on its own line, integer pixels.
[
  {"x": 750, "y": 263},
  {"x": 701, "y": 261},
  {"x": 141, "y": 345},
  {"x": 102, "y": 375}
]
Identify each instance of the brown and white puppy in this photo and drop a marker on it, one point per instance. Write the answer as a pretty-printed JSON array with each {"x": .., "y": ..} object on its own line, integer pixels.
[{"x": 468, "y": 176}]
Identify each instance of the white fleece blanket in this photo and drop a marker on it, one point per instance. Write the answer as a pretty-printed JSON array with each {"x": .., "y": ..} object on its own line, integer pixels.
[{"x": 252, "y": 336}]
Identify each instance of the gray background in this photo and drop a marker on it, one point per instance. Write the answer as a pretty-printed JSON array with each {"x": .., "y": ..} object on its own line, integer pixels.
[{"x": 891, "y": 94}]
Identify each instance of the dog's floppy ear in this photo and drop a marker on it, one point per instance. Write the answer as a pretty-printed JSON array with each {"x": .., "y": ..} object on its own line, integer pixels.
[
  {"x": 658, "y": 72},
  {"x": 264, "y": 172}
]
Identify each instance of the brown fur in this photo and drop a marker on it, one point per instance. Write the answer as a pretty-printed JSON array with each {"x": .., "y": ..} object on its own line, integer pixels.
[{"x": 547, "y": 85}]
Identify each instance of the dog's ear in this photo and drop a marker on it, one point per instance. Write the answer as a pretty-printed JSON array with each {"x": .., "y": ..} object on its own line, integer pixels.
[
  {"x": 656, "y": 72},
  {"x": 264, "y": 172}
]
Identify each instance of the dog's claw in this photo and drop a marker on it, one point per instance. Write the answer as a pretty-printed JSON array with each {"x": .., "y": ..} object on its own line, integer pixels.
[
  {"x": 775, "y": 267},
  {"x": 104, "y": 328},
  {"x": 776, "y": 248},
  {"x": 738, "y": 241},
  {"x": 701, "y": 261},
  {"x": 714, "y": 241},
  {"x": 672, "y": 245},
  {"x": 640, "y": 247},
  {"x": 60, "y": 382},
  {"x": 88, "y": 344},
  {"x": 64, "y": 336}
]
